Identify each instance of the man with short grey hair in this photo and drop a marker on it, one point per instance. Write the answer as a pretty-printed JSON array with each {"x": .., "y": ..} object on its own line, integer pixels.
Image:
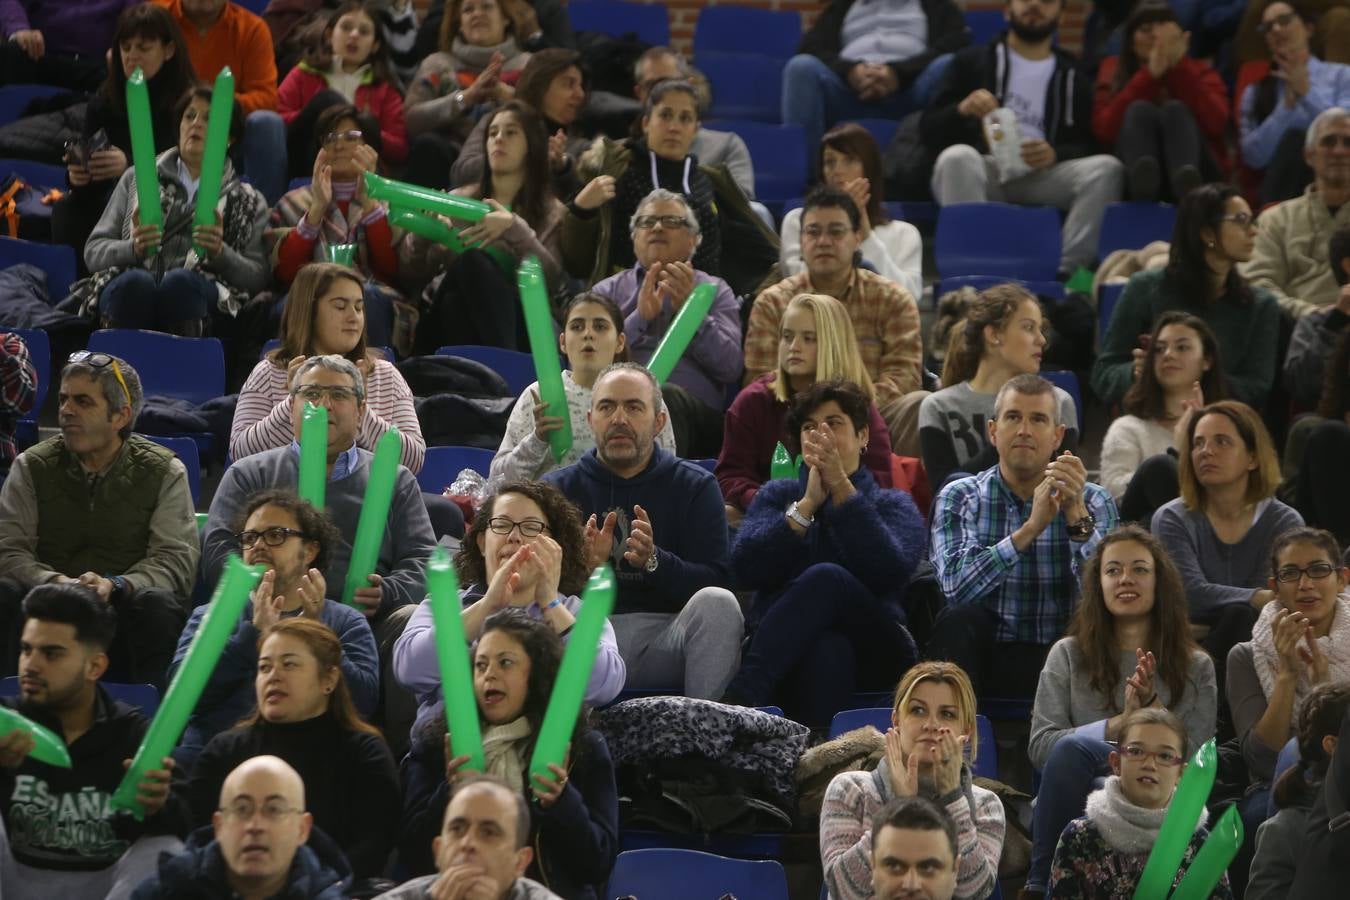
[
  {"x": 1290, "y": 259},
  {"x": 665, "y": 234},
  {"x": 106, "y": 508}
]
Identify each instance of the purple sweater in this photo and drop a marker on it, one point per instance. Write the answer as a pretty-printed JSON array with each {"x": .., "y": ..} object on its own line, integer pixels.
[
  {"x": 713, "y": 359},
  {"x": 69, "y": 27}
]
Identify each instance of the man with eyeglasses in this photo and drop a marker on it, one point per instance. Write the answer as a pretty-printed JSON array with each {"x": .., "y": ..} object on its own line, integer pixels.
[
  {"x": 59, "y": 837},
  {"x": 399, "y": 582},
  {"x": 884, "y": 314},
  {"x": 106, "y": 508},
  {"x": 293, "y": 541},
  {"x": 665, "y": 234},
  {"x": 261, "y": 844},
  {"x": 1292, "y": 255}
]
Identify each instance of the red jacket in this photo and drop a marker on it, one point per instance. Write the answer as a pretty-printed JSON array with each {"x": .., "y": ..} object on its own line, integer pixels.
[
  {"x": 1191, "y": 81},
  {"x": 379, "y": 98}
]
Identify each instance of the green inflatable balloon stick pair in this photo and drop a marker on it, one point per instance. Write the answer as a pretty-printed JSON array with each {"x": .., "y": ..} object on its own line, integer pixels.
[
  {"x": 400, "y": 194},
  {"x": 222, "y": 616},
  {"x": 217, "y": 141},
  {"x": 435, "y": 230},
  {"x": 544, "y": 349}
]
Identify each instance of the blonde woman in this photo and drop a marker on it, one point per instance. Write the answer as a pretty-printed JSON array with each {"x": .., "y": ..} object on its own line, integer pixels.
[
  {"x": 929, "y": 748},
  {"x": 1000, "y": 336},
  {"x": 816, "y": 342}
]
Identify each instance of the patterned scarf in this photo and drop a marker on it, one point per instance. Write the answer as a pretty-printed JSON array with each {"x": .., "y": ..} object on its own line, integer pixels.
[{"x": 1125, "y": 827}]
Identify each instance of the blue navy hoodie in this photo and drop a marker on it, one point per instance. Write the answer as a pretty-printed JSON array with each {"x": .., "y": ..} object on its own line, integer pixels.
[{"x": 689, "y": 526}]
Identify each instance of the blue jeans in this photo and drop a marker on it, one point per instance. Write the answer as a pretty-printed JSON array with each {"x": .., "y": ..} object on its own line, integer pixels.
[
  {"x": 815, "y": 97},
  {"x": 265, "y": 153},
  {"x": 135, "y": 300},
  {"x": 1071, "y": 772}
]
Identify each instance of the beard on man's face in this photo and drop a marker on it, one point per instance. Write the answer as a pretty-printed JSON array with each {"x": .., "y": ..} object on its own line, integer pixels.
[{"x": 1033, "y": 33}]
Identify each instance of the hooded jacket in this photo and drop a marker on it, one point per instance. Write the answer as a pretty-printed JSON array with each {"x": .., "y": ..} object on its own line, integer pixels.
[
  {"x": 689, "y": 526},
  {"x": 318, "y": 872},
  {"x": 1068, "y": 101}
]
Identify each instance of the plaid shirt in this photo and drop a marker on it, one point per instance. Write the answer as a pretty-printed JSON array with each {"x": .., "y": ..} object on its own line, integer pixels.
[
  {"x": 18, "y": 388},
  {"x": 1032, "y": 592},
  {"x": 885, "y": 319}
]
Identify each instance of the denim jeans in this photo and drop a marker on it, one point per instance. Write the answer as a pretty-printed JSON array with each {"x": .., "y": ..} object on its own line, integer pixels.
[
  {"x": 1071, "y": 772},
  {"x": 135, "y": 300},
  {"x": 265, "y": 153}
]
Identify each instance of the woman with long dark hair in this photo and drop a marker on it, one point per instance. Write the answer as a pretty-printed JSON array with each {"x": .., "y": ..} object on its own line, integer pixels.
[
  {"x": 305, "y": 716},
  {"x": 574, "y": 812},
  {"x": 1166, "y": 113},
  {"x": 1129, "y": 647},
  {"x": 1215, "y": 230}
]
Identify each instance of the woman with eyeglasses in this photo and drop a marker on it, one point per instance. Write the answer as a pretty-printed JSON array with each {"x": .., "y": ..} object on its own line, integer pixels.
[
  {"x": 306, "y": 717},
  {"x": 177, "y": 277},
  {"x": 1300, "y": 641},
  {"x": 292, "y": 540},
  {"x": 333, "y": 210},
  {"x": 525, "y": 550},
  {"x": 325, "y": 314},
  {"x": 1103, "y": 854},
  {"x": 1215, "y": 231},
  {"x": 1128, "y": 648}
]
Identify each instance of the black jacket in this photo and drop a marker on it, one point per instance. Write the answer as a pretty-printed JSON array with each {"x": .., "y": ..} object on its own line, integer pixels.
[
  {"x": 1068, "y": 102},
  {"x": 318, "y": 872},
  {"x": 58, "y": 819},
  {"x": 947, "y": 33},
  {"x": 1321, "y": 864}
]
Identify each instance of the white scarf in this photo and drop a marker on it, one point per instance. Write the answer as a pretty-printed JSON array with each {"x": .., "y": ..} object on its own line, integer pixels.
[
  {"x": 1127, "y": 828},
  {"x": 501, "y": 752},
  {"x": 1335, "y": 647}
]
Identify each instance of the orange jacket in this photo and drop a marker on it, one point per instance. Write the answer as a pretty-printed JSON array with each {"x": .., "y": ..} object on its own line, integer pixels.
[{"x": 239, "y": 39}]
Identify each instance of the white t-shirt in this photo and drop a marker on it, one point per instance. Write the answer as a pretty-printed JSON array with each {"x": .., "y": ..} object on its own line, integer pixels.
[{"x": 1028, "y": 80}]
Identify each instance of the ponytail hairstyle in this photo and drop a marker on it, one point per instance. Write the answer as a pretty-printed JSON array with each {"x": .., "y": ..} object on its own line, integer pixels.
[
  {"x": 994, "y": 306},
  {"x": 1321, "y": 714}
]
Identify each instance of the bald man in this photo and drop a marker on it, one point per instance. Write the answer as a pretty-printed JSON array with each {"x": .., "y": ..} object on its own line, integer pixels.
[
  {"x": 483, "y": 849},
  {"x": 261, "y": 843}
]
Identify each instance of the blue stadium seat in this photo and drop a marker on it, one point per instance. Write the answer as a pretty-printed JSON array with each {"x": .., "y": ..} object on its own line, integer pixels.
[
  {"x": 515, "y": 367},
  {"x": 649, "y": 21},
  {"x": 191, "y": 369},
  {"x": 14, "y": 97},
  {"x": 254, "y": 6},
  {"x": 57, "y": 260},
  {"x": 35, "y": 173},
  {"x": 743, "y": 86},
  {"x": 726, "y": 29},
  {"x": 40, "y": 353},
  {"x": 1027, "y": 249},
  {"x": 779, "y": 152},
  {"x": 882, "y": 130},
  {"x": 1130, "y": 226},
  {"x": 878, "y": 717},
  {"x": 142, "y": 696},
  {"x": 185, "y": 448},
  {"x": 442, "y": 464},
  {"x": 1069, "y": 382},
  {"x": 986, "y": 763},
  {"x": 1107, "y": 298},
  {"x": 665, "y": 874},
  {"x": 708, "y": 464},
  {"x": 985, "y": 24}
]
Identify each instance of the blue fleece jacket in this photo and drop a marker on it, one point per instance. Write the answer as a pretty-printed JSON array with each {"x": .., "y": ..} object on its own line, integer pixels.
[
  {"x": 689, "y": 526},
  {"x": 877, "y": 535}
]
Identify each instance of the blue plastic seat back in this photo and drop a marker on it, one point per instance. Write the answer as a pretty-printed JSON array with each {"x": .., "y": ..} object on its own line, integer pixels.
[
  {"x": 515, "y": 367},
  {"x": 15, "y": 97},
  {"x": 668, "y": 874},
  {"x": 879, "y": 717},
  {"x": 882, "y": 130},
  {"x": 743, "y": 86},
  {"x": 738, "y": 29},
  {"x": 779, "y": 152},
  {"x": 191, "y": 369},
  {"x": 142, "y": 696},
  {"x": 1131, "y": 226},
  {"x": 35, "y": 173},
  {"x": 986, "y": 762},
  {"x": 40, "y": 353},
  {"x": 1107, "y": 298},
  {"x": 1000, "y": 239},
  {"x": 442, "y": 464},
  {"x": 57, "y": 260},
  {"x": 185, "y": 448},
  {"x": 649, "y": 21},
  {"x": 1069, "y": 382},
  {"x": 985, "y": 24}
]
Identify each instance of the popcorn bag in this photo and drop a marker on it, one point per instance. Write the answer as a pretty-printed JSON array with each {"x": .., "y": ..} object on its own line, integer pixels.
[{"x": 1004, "y": 138}]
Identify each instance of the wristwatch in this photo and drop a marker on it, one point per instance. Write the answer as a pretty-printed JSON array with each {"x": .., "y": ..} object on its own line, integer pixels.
[
  {"x": 651, "y": 562},
  {"x": 459, "y": 101},
  {"x": 1082, "y": 529},
  {"x": 795, "y": 515}
]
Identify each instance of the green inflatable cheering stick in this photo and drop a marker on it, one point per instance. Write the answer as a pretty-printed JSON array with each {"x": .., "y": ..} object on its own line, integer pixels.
[
  {"x": 544, "y": 349},
  {"x": 314, "y": 454},
  {"x": 681, "y": 331},
  {"x": 1178, "y": 825},
  {"x": 143, "y": 152},
  {"x": 1212, "y": 861},
  {"x": 222, "y": 615},
  {"x": 452, "y": 650},
  {"x": 437, "y": 231},
  {"x": 48, "y": 748},
  {"x": 782, "y": 466},
  {"x": 578, "y": 659},
  {"x": 217, "y": 139},
  {"x": 413, "y": 196},
  {"x": 374, "y": 513}
]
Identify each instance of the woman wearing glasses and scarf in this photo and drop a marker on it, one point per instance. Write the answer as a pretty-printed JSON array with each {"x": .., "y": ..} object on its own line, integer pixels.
[{"x": 292, "y": 539}]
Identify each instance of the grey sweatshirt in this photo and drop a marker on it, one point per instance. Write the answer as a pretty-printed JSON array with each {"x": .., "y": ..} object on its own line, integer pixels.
[
  {"x": 1066, "y": 703},
  {"x": 420, "y": 889}
]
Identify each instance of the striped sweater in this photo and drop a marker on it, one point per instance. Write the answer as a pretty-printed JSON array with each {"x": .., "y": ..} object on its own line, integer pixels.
[
  {"x": 262, "y": 420},
  {"x": 854, "y": 798}
]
